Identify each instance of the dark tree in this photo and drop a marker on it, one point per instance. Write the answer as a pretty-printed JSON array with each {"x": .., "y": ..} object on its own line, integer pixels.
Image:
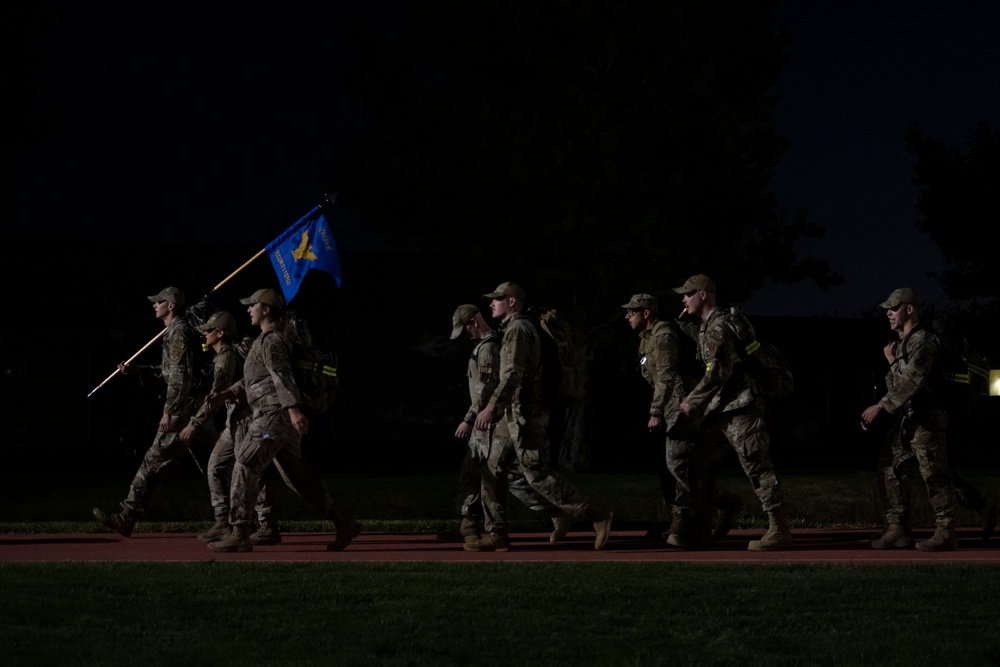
[
  {"x": 957, "y": 206},
  {"x": 588, "y": 149}
]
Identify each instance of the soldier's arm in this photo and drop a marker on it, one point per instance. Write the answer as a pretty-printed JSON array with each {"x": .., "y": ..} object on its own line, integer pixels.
[
  {"x": 912, "y": 375},
  {"x": 663, "y": 373},
  {"x": 488, "y": 366},
  {"x": 718, "y": 368},
  {"x": 176, "y": 373}
]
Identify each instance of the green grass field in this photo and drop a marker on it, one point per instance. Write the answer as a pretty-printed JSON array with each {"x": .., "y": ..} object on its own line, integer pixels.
[
  {"x": 497, "y": 614},
  {"x": 486, "y": 613}
]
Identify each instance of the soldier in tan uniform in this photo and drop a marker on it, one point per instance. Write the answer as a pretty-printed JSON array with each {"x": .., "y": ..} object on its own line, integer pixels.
[
  {"x": 919, "y": 432},
  {"x": 220, "y": 334},
  {"x": 727, "y": 400},
  {"x": 276, "y": 429},
  {"x": 518, "y": 400},
  {"x": 176, "y": 369},
  {"x": 661, "y": 363},
  {"x": 487, "y": 473}
]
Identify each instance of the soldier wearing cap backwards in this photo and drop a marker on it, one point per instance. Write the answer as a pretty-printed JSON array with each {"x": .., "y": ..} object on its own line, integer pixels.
[
  {"x": 727, "y": 400},
  {"x": 919, "y": 432},
  {"x": 275, "y": 431},
  {"x": 220, "y": 333},
  {"x": 660, "y": 362},
  {"x": 518, "y": 400},
  {"x": 484, "y": 507},
  {"x": 176, "y": 369}
]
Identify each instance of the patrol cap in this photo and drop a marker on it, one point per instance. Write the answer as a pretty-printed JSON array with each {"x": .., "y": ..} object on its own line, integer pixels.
[
  {"x": 901, "y": 295},
  {"x": 266, "y": 296},
  {"x": 642, "y": 301},
  {"x": 463, "y": 315},
  {"x": 170, "y": 295},
  {"x": 697, "y": 283},
  {"x": 220, "y": 320},
  {"x": 506, "y": 289}
]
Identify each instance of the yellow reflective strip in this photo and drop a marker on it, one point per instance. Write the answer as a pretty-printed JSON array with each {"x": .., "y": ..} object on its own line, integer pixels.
[
  {"x": 708, "y": 366},
  {"x": 753, "y": 347},
  {"x": 330, "y": 370},
  {"x": 960, "y": 378}
]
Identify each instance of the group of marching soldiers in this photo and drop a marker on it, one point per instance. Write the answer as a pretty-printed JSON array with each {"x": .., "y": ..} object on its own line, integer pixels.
[
  {"x": 703, "y": 415},
  {"x": 264, "y": 425}
]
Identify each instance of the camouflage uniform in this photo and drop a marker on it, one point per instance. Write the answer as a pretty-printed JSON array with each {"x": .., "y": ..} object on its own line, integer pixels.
[
  {"x": 485, "y": 491},
  {"x": 176, "y": 369},
  {"x": 227, "y": 369},
  {"x": 659, "y": 360},
  {"x": 268, "y": 387},
  {"x": 919, "y": 431},
  {"x": 518, "y": 398},
  {"x": 727, "y": 400}
]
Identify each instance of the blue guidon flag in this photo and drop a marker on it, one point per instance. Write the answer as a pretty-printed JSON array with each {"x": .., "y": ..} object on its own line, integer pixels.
[{"x": 306, "y": 245}]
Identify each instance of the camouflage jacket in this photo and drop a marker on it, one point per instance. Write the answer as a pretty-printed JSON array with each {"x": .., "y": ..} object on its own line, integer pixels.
[
  {"x": 177, "y": 367},
  {"x": 724, "y": 386},
  {"x": 268, "y": 377},
  {"x": 227, "y": 368},
  {"x": 910, "y": 375},
  {"x": 520, "y": 365},
  {"x": 483, "y": 374},
  {"x": 659, "y": 361}
]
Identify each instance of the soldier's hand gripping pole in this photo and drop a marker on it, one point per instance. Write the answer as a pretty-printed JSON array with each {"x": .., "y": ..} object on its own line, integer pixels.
[{"x": 128, "y": 361}]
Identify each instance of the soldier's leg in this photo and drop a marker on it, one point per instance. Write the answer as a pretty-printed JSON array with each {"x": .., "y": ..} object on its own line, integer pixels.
[
  {"x": 470, "y": 481},
  {"x": 254, "y": 453},
  {"x": 747, "y": 434},
  {"x": 160, "y": 458},
  {"x": 929, "y": 444},
  {"x": 531, "y": 448}
]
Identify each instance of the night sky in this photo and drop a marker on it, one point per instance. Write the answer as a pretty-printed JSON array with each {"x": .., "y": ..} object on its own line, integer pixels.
[{"x": 215, "y": 125}]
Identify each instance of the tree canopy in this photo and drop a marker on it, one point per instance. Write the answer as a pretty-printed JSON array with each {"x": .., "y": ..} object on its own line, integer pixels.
[
  {"x": 588, "y": 149},
  {"x": 957, "y": 205}
]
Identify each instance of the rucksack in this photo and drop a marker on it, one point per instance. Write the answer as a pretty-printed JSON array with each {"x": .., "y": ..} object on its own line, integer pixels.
[
  {"x": 562, "y": 359},
  {"x": 315, "y": 370},
  {"x": 763, "y": 361},
  {"x": 961, "y": 375}
]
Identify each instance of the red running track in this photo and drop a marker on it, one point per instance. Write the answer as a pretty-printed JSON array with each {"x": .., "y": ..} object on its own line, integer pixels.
[{"x": 811, "y": 547}]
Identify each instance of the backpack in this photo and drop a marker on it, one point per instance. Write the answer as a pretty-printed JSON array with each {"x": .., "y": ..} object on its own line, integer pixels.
[
  {"x": 763, "y": 362},
  {"x": 961, "y": 374},
  {"x": 562, "y": 360},
  {"x": 315, "y": 370}
]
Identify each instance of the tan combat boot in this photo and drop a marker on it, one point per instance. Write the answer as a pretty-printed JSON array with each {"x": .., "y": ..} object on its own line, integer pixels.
[
  {"x": 896, "y": 536},
  {"x": 218, "y": 531},
  {"x": 778, "y": 535},
  {"x": 238, "y": 541},
  {"x": 602, "y": 528},
  {"x": 469, "y": 530},
  {"x": 943, "y": 539},
  {"x": 268, "y": 533},
  {"x": 122, "y": 522},
  {"x": 685, "y": 531},
  {"x": 560, "y": 527},
  {"x": 489, "y": 542}
]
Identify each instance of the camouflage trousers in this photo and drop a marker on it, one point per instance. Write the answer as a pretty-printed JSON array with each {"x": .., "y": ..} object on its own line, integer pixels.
[
  {"x": 520, "y": 464},
  {"x": 271, "y": 438},
  {"x": 220, "y": 475},
  {"x": 694, "y": 452},
  {"x": 161, "y": 457},
  {"x": 919, "y": 437}
]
